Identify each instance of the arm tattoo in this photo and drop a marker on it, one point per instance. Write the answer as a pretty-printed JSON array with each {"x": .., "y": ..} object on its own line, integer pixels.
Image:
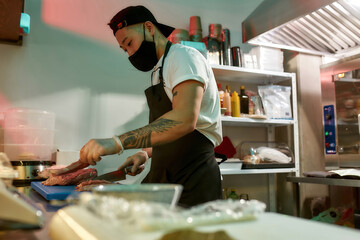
[
  {"x": 175, "y": 94},
  {"x": 141, "y": 137}
]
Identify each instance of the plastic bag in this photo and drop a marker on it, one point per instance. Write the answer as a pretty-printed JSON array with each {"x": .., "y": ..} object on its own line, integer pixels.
[
  {"x": 151, "y": 216},
  {"x": 276, "y": 101}
]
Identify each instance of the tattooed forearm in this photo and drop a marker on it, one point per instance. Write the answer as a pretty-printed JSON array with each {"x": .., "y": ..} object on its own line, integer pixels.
[{"x": 141, "y": 137}]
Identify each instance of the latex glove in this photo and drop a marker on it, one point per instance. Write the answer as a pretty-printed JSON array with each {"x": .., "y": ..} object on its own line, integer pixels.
[
  {"x": 92, "y": 151},
  {"x": 136, "y": 161}
]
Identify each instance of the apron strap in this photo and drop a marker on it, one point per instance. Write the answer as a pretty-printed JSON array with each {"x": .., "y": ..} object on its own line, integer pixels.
[{"x": 167, "y": 48}]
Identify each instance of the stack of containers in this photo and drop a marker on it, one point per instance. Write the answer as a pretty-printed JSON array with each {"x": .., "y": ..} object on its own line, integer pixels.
[
  {"x": 29, "y": 134},
  {"x": 195, "y": 29},
  {"x": 268, "y": 58}
]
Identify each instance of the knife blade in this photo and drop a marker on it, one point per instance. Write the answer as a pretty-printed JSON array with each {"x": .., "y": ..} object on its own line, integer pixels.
[{"x": 115, "y": 175}]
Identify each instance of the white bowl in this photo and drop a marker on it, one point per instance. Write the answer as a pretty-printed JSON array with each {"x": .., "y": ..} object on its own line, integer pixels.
[{"x": 160, "y": 193}]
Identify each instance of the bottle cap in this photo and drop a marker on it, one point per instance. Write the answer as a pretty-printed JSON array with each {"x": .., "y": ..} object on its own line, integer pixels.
[{"x": 242, "y": 87}]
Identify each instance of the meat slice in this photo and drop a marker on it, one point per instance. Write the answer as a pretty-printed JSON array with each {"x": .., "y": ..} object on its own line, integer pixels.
[
  {"x": 90, "y": 184},
  {"x": 46, "y": 173},
  {"x": 73, "y": 178}
]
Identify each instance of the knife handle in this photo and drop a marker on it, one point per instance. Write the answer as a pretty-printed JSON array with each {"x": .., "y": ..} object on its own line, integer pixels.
[{"x": 127, "y": 170}]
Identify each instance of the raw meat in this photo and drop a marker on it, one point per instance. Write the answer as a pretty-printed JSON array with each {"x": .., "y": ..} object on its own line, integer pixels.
[
  {"x": 272, "y": 155},
  {"x": 73, "y": 178},
  {"x": 90, "y": 184},
  {"x": 46, "y": 173}
]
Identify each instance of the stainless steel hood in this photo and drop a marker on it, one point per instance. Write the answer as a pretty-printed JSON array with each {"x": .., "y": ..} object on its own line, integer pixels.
[{"x": 322, "y": 27}]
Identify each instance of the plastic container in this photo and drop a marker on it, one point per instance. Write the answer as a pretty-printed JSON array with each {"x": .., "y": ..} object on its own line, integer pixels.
[
  {"x": 160, "y": 193},
  {"x": 264, "y": 153},
  {"x": 235, "y": 105},
  {"x": 29, "y": 136},
  {"x": 268, "y": 58},
  {"x": 227, "y": 103},
  {"x": 28, "y": 152},
  {"x": 22, "y": 118}
]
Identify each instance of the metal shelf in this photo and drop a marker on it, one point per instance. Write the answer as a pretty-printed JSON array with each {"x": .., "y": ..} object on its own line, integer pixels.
[
  {"x": 250, "y": 122},
  {"x": 326, "y": 181},
  {"x": 254, "y": 76},
  {"x": 233, "y": 170}
]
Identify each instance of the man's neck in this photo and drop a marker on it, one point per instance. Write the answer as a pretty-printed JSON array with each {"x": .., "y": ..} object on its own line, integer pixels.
[{"x": 160, "y": 46}]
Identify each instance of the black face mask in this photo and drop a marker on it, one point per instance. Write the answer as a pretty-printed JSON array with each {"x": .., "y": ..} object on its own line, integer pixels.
[{"x": 145, "y": 58}]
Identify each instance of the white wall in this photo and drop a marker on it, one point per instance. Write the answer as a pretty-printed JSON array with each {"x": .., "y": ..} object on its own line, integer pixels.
[{"x": 70, "y": 64}]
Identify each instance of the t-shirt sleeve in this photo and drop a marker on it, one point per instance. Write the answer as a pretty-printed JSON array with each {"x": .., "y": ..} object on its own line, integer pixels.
[{"x": 186, "y": 64}]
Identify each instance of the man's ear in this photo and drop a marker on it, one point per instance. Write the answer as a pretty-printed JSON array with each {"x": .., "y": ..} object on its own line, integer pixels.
[{"x": 149, "y": 26}]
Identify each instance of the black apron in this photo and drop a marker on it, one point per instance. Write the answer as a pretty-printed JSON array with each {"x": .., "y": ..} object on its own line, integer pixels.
[{"x": 189, "y": 160}]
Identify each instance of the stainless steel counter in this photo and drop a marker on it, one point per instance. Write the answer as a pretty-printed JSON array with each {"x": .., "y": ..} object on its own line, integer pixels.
[
  {"x": 36, "y": 234},
  {"x": 342, "y": 182},
  {"x": 327, "y": 181}
]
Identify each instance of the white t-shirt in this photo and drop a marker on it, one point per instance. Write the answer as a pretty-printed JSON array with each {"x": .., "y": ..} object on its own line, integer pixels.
[{"x": 184, "y": 63}]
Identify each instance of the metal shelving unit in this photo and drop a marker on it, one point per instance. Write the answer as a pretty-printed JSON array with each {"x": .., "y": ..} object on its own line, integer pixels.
[
  {"x": 250, "y": 122},
  {"x": 258, "y": 77},
  {"x": 261, "y": 77}
]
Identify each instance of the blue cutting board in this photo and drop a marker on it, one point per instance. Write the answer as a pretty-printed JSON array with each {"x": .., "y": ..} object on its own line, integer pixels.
[{"x": 53, "y": 192}]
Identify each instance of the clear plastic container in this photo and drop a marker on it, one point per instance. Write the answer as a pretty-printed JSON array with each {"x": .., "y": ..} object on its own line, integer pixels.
[
  {"x": 23, "y": 118},
  {"x": 28, "y": 152},
  {"x": 264, "y": 152},
  {"x": 29, "y": 136}
]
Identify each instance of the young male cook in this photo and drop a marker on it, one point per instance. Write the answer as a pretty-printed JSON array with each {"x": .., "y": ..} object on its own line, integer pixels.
[{"x": 184, "y": 107}]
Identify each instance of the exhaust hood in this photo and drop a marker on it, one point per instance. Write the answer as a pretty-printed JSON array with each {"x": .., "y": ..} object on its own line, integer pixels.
[{"x": 321, "y": 27}]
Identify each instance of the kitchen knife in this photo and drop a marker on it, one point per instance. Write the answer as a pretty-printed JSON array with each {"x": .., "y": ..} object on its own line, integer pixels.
[{"x": 115, "y": 175}]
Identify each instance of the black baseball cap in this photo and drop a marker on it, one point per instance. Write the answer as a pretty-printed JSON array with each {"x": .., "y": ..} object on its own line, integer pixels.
[{"x": 137, "y": 14}]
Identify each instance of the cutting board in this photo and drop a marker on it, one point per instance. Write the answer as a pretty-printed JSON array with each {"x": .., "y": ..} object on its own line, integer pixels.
[{"x": 53, "y": 192}]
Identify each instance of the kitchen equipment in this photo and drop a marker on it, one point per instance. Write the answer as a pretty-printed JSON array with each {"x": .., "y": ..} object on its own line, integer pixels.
[
  {"x": 323, "y": 27},
  {"x": 236, "y": 57},
  {"x": 226, "y": 56},
  {"x": 16, "y": 210},
  {"x": 28, "y": 140},
  {"x": 340, "y": 100},
  {"x": 162, "y": 193},
  {"x": 28, "y": 170},
  {"x": 53, "y": 192}
]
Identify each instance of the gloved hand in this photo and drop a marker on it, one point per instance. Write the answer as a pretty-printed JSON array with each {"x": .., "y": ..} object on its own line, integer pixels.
[
  {"x": 137, "y": 161},
  {"x": 92, "y": 151}
]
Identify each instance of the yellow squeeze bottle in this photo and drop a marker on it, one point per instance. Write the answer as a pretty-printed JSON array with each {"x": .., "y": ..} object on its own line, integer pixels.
[{"x": 235, "y": 105}]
